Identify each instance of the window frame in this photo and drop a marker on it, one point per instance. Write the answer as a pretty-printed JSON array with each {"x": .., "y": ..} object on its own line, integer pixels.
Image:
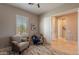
[{"x": 27, "y": 24}]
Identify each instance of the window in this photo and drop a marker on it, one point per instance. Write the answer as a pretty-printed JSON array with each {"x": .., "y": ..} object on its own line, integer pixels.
[{"x": 21, "y": 24}]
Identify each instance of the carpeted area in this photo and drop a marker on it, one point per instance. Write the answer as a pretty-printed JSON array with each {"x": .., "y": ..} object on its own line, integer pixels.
[
  {"x": 32, "y": 50},
  {"x": 38, "y": 50},
  {"x": 5, "y": 51}
]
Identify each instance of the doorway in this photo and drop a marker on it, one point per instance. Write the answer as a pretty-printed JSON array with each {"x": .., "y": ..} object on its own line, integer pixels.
[
  {"x": 61, "y": 24},
  {"x": 64, "y": 26},
  {"x": 59, "y": 27}
]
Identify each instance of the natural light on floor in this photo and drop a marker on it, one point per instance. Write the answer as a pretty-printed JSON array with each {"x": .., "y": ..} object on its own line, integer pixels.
[{"x": 63, "y": 46}]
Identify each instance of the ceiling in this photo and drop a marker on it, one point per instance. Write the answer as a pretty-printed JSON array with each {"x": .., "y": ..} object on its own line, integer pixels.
[{"x": 44, "y": 7}]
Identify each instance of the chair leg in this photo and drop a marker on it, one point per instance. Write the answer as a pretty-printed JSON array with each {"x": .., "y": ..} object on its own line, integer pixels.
[{"x": 19, "y": 52}]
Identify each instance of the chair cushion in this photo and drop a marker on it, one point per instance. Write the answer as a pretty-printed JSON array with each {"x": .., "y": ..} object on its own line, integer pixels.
[
  {"x": 23, "y": 45},
  {"x": 16, "y": 38}
]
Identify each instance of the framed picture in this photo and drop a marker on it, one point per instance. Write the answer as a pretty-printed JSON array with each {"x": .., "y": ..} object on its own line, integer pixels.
[{"x": 33, "y": 27}]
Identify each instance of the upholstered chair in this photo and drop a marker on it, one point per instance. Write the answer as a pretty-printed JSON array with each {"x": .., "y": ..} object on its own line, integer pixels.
[{"x": 19, "y": 43}]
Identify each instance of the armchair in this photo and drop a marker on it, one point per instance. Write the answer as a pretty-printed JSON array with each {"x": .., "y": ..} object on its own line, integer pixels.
[{"x": 19, "y": 43}]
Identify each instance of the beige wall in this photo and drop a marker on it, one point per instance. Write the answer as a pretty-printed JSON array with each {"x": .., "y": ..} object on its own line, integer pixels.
[
  {"x": 8, "y": 22},
  {"x": 54, "y": 27},
  {"x": 78, "y": 30},
  {"x": 72, "y": 23}
]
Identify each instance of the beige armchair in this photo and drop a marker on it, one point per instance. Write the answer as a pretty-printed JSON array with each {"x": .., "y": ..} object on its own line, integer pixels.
[{"x": 19, "y": 43}]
